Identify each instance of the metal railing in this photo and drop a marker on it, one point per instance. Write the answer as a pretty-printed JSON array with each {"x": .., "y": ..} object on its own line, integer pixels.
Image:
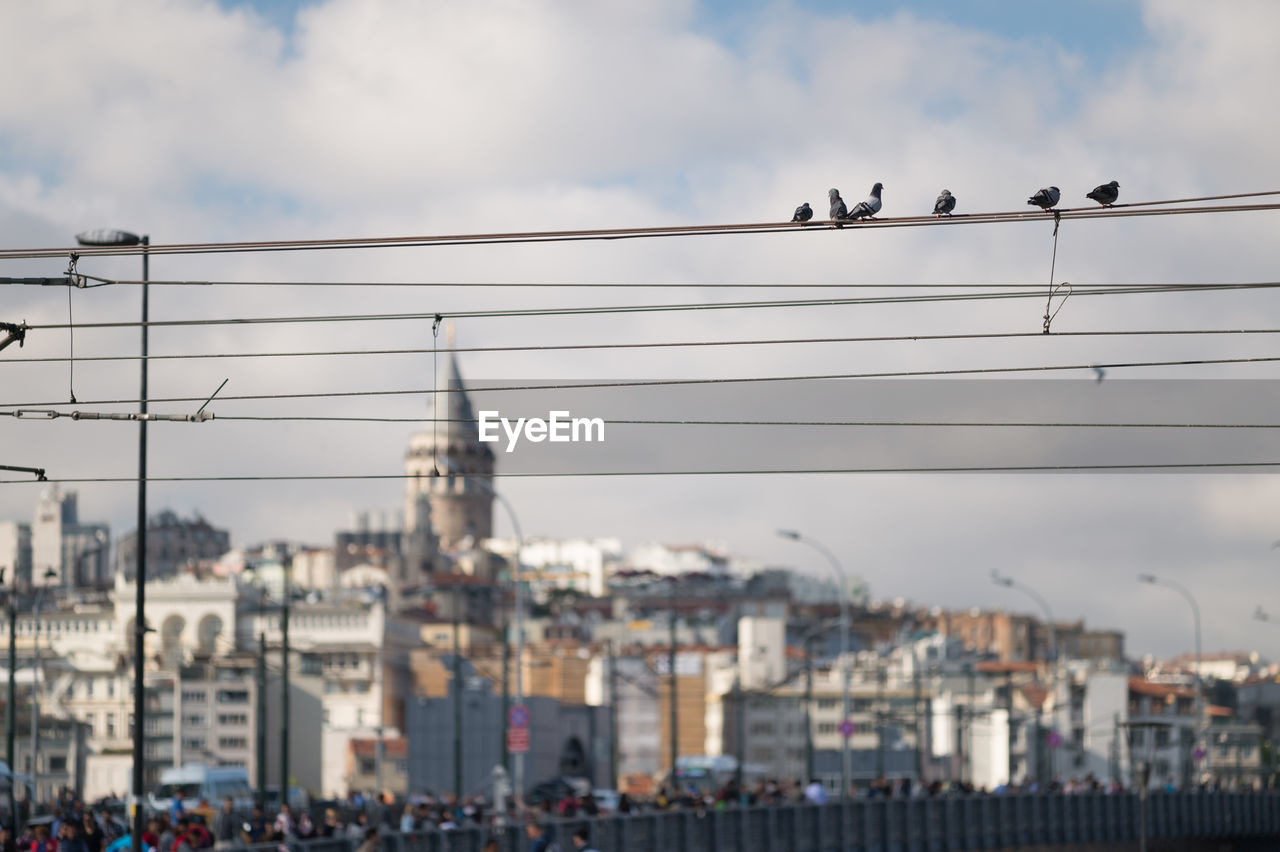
[{"x": 942, "y": 824}]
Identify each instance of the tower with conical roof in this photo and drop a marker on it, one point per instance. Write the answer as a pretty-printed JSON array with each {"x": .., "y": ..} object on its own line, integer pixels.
[{"x": 441, "y": 464}]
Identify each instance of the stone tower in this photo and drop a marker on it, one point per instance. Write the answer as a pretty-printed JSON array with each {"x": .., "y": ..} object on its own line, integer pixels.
[{"x": 441, "y": 463}]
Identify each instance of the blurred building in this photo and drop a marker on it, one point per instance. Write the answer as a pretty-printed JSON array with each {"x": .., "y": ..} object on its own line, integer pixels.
[{"x": 172, "y": 543}]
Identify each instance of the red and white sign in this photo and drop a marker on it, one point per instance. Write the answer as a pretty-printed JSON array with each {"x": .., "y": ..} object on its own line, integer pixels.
[{"x": 518, "y": 740}]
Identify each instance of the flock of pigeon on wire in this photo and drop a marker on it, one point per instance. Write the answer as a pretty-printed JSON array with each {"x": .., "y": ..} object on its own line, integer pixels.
[{"x": 1045, "y": 199}]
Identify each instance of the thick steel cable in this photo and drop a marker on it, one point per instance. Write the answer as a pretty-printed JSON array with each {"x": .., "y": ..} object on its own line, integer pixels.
[
  {"x": 668, "y": 307},
  {"x": 1146, "y": 208},
  {"x": 561, "y": 347},
  {"x": 1030, "y": 468},
  {"x": 589, "y": 385}
]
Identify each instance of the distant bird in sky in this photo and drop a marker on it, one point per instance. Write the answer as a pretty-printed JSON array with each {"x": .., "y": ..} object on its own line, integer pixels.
[
  {"x": 803, "y": 213},
  {"x": 945, "y": 204},
  {"x": 1046, "y": 198},
  {"x": 1106, "y": 194},
  {"x": 1101, "y": 373},
  {"x": 870, "y": 207},
  {"x": 1275, "y": 544}
]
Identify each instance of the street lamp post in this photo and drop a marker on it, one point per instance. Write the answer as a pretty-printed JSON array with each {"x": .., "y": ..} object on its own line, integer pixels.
[
  {"x": 1153, "y": 580},
  {"x": 846, "y": 755},
  {"x": 11, "y": 716},
  {"x": 1010, "y": 583},
  {"x": 124, "y": 238},
  {"x": 517, "y": 780}
]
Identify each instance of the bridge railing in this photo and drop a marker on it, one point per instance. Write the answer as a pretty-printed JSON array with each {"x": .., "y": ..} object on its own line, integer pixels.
[{"x": 942, "y": 824}]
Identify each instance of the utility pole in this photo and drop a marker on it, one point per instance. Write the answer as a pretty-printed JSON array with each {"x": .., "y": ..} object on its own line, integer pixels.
[
  {"x": 879, "y": 721},
  {"x": 1008, "y": 707},
  {"x": 506, "y": 696},
  {"x": 915, "y": 678},
  {"x": 11, "y": 714},
  {"x": 35, "y": 708},
  {"x": 671, "y": 681},
  {"x": 380, "y": 746},
  {"x": 613, "y": 718},
  {"x": 810, "y": 772},
  {"x": 457, "y": 697},
  {"x": 284, "y": 686},
  {"x": 740, "y": 741},
  {"x": 260, "y": 724}
]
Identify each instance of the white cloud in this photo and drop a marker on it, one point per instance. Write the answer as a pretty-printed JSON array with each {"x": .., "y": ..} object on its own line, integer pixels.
[{"x": 187, "y": 121}]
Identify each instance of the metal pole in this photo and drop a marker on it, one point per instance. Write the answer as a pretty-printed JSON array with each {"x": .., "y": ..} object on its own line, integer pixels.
[
  {"x": 260, "y": 724},
  {"x": 674, "y": 713},
  {"x": 1195, "y": 613},
  {"x": 457, "y": 699},
  {"x": 880, "y": 768},
  {"x": 740, "y": 741},
  {"x": 613, "y": 718},
  {"x": 506, "y": 696},
  {"x": 35, "y": 708},
  {"x": 1008, "y": 709},
  {"x": 284, "y": 686},
  {"x": 140, "y": 578},
  {"x": 11, "y": 714},
  {"x": 915, "y": 670},
  {"x": 846, "y": 757},
  {"x": 810, "y": 772},
  {"x": 379, "y": 745}
]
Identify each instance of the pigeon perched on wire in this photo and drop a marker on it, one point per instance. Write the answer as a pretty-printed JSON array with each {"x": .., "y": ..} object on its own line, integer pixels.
[
  {"x": 870, "y": 207},
  {"x": 1046, "y": 198},
  {"x": 838, "y": 208},
  {"x": 1106, "y": 194},
  {"x": 945, "y": 204},
  {"x": 803, "y": 213}
]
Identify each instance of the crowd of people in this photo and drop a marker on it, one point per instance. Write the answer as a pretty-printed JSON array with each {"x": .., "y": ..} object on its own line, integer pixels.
[{"x": 186, "y": 827}]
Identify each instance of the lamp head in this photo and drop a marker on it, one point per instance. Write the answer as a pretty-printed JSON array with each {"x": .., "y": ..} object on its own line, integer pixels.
[
  {"x": 1147, "y": 578},
  {"x": 791, "y": 534},
  {"x": 108, "y": 237},
  {"x": 1007, "y": 582}
]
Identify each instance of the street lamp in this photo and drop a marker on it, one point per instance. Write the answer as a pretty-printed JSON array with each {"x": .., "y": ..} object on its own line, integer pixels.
[
  {"x": 517, "y": 766},
  {"x": 842, "y": 581},
  {"x": 105, "y": 237},
  {"x": 1153, "y": 580},
  {"x": 1010, "y": 583},
  {"x": 11, "y": 715}
]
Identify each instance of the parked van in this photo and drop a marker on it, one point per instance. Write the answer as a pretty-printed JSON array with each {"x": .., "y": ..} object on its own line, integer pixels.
[{"x": 199, "y": 782}]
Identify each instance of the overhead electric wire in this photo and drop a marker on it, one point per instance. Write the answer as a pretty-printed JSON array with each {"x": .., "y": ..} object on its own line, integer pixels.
[
  {"x": 560, "y": 347},
  {"x": 657, "y": 308},
  {"x": 966, "y": 424},
  {"x": 589, "y": 385},
  {"x": 1145, "y": 208},
  {"x": 1028, "y": 468}
]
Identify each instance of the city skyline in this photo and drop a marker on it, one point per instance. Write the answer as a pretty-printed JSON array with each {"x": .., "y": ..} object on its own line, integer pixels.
[{"x": 281, "y": 121}]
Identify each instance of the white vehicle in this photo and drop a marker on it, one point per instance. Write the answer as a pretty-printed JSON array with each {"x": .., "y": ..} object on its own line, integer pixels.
[{"x": 199, "y": 782}]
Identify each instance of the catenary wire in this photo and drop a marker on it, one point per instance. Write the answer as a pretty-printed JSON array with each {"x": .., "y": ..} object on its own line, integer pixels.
[
  {"x": 658, "y": 308},
  {"x": 560, "y": 347},
  {"x": 1147, "y": 208},
  {"x": 1014, "y": 424},
  {"x": 588, "y": 385},
  {"x": 1031, "y": 468}
]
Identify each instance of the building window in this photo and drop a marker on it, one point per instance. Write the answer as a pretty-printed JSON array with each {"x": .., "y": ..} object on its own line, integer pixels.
[
  {"x": 233, "y": 719},
  {"x": 111, "y": 726},
  {"x": 194, "y": 720},
  {"x": 57, "y": 763},
  {"x": 194, "y": 695},
  {"x": 367, "y": 766},
  {"x": 111, "y": 688},
  {"x": 233, "y": 696},
  {"x": 88, "y": 688},
  {"x": 193, "y": 743},
  {"x": 233, "y": 742}
]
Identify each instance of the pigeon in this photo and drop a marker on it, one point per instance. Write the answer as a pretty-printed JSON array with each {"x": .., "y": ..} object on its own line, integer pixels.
[
  {"x": 1046, "y": 198},
  {"x": 1100, "y": 373},
  {"x": 838, "y": 210},
  {"x": 870, "y": 207},
  {"x": 1106, "y": 194},
  {"x": 803, "y": 213},
  {"x": 945, "y": 204}
]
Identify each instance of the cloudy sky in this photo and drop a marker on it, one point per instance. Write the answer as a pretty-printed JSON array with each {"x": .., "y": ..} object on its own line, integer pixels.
[{"x": 211, "y": 121}]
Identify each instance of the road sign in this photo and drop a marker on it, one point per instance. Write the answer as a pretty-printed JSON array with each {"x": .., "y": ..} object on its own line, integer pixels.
[
  {"x": 847, "y": 728},
  {"x": 518, "y": 716},
  {"x": 1055, "y": 739},
  {"x": 518, "y": 740},
  {"x": 1198, "y": 754}
]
